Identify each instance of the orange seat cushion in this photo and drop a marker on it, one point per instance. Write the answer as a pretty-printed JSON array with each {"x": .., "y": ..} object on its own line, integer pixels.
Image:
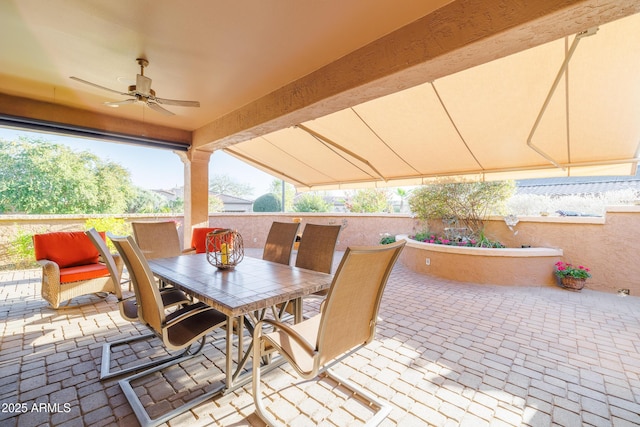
[
  {"x": 67, "y": 249},
  {"x": 83, "y": 272},
  {"x": 199, "y": 238}
]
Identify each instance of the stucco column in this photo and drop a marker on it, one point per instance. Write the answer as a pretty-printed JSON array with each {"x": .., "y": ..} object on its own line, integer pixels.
[{"x": 196, "y": 190}]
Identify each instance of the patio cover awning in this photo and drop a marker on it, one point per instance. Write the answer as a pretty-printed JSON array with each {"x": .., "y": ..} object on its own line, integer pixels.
[{"x": 566, "y": 108}]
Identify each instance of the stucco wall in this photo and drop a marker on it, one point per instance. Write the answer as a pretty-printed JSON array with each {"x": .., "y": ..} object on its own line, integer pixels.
[
  {"x": 609, "y": 245},
  {"x": 504, "y": 266},
  {"x": 362, "y": 229}
]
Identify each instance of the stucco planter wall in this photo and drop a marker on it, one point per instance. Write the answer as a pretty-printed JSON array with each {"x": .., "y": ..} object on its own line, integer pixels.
[{"x": 505, "y": 266}]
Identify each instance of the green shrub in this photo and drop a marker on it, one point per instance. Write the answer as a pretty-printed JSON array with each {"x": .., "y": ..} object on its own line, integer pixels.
[
  {"x": 20, "y": 250},
  {"x": 267, "y": 203},
  {"x": 467, "y": 202},
  {"x": 310, "y": 202},
  {"x": 117, "y": 226},
  {"x": 369, "y": 200},
  {"x": 387, "y": 239}
]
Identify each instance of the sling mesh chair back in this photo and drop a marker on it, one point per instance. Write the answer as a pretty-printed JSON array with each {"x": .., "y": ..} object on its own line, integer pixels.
[
  {"x": 347, "y": 322},
  {"x": 280, "y": 240},
  {"x": 317, "y": 246},
  {"x": 178, "y": 329},
  {"x": 157, "y": 239},
  {"x": 129, "y": 311},
  {"x": 316, "y": 250}
]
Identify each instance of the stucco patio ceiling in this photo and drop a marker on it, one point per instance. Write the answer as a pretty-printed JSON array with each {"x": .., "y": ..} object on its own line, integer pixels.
[
  {"x": 338, "y": 93},
  {"x": 521, "y": 116}
]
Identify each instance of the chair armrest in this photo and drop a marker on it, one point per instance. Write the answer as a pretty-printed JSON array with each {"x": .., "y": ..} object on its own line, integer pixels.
[
  {"x": 50, "y": 289},
  {"x": 49, "y": 268},
  {"x": 185, "y": 312},
  {"x": 306, "y": 346}
]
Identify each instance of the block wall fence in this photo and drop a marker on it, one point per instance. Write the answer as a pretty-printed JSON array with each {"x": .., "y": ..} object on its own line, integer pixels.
[{"x": 609, "y": 245}]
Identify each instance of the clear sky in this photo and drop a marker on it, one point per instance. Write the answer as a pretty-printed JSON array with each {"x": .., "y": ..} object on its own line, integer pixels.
[{"x": 153, "y": 168}]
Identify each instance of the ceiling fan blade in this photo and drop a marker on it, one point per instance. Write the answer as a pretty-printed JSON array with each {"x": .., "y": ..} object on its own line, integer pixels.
[
  {"x": 143, "y": 85},
  {"x": 98, "y": 86},
  {"x": 159, "y": 109},
  {"x": 119, "y": 103},
  {"x": 177, "y": 102}
]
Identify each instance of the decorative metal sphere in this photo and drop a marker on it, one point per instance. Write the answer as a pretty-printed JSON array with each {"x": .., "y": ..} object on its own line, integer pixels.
[{"x": 225, "y": 248}]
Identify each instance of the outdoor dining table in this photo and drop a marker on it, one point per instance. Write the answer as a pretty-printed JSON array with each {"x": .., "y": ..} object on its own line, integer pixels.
[{"x": 252, "y": 286}]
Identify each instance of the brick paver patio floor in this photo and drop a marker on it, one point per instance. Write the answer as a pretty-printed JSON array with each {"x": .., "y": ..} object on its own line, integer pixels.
[{"x": 446, "y": 354}]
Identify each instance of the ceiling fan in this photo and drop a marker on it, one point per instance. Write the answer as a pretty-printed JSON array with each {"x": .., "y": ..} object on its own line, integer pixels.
[{"x": 142, "y": 92}]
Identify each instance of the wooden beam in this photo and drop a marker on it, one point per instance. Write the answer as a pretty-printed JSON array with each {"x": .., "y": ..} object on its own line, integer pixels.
[{"x": 460, "y": 35}]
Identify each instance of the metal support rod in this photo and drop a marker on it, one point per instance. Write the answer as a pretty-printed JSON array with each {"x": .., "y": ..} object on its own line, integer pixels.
[{"x": 561, "y": 72}]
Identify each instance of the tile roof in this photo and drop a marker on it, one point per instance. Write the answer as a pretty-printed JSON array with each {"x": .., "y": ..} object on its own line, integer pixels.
[{"x": 577, "y": 185}]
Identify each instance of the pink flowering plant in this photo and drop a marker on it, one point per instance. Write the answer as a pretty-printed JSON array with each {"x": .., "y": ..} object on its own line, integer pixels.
[
  {"x": 564, "y": 269},
  {"x": 467, "y": 241}
]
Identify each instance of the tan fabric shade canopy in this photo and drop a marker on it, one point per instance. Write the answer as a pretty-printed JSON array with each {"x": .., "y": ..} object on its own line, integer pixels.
[{"x": 522, "y": 116}]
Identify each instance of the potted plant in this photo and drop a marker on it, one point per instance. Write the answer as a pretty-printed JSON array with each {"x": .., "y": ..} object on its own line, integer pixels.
[
  {"x": 572, "y": 277},
  {"x": 387, "y": 239}
]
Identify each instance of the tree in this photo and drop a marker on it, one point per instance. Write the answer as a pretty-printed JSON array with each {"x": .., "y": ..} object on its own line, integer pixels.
[
  {"x": 289, "y": 193},
  {"x": 311, "y": 202},
  {"x": 403, "y": 193},
  {"x": 224, "y": 184},
  {"x": 369, "y": 200},
  {"x": 145, "y": 201},
  {"x": 469, "y": 202},
  {"x": 267, "y": 203},
  {"x": 38, "y": 177},
  {"x": 215, "y": 204}
]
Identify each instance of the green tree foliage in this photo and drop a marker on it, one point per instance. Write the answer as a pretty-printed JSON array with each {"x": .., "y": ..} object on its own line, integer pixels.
[
  {"x": 224, "y": 184},
  {"x": 369, "y": 200},
  {"x": 289, "y": 193},
  {"x": 173, "y": 206},
  {"x": 468, "y": 202},
  {"x": 38, "y": 177},
  {"x": 311, "y": 202},
  {"x": 215, "y": 204},
  {"x": 403, "y": 193},
  {"x": 145, "y": 201},
  {"x": 267, "y": 203}
]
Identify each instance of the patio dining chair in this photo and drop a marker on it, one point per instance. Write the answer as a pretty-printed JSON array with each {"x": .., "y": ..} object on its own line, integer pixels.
[
  {"x": 178, "y": 330},
  {"x": 280, "y": 240},
  {"x": 317, "y": 246},
  {"x": 128, "y": 308},
  {"x": 157, "y": 239},
  {"x": 347, "y": 322},
  {"x": 315, "y": 252}
]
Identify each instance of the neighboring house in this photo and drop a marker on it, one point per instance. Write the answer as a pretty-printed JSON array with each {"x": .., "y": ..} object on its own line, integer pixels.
[
  {"x": 170, "y": 194},
  {"x": 577, "y": 185},
  {"x": 235, "y": 204},
  {"x": 230, "y": 203}
]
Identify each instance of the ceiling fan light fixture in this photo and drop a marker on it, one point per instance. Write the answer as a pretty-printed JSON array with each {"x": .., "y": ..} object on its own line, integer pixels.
[{"x": 141, "y": 92}]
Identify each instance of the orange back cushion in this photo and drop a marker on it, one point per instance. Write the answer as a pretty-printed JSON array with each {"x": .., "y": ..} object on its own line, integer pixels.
[
  {"x": 199, "y": 238},
  {"x": 67, "y": 249}
]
